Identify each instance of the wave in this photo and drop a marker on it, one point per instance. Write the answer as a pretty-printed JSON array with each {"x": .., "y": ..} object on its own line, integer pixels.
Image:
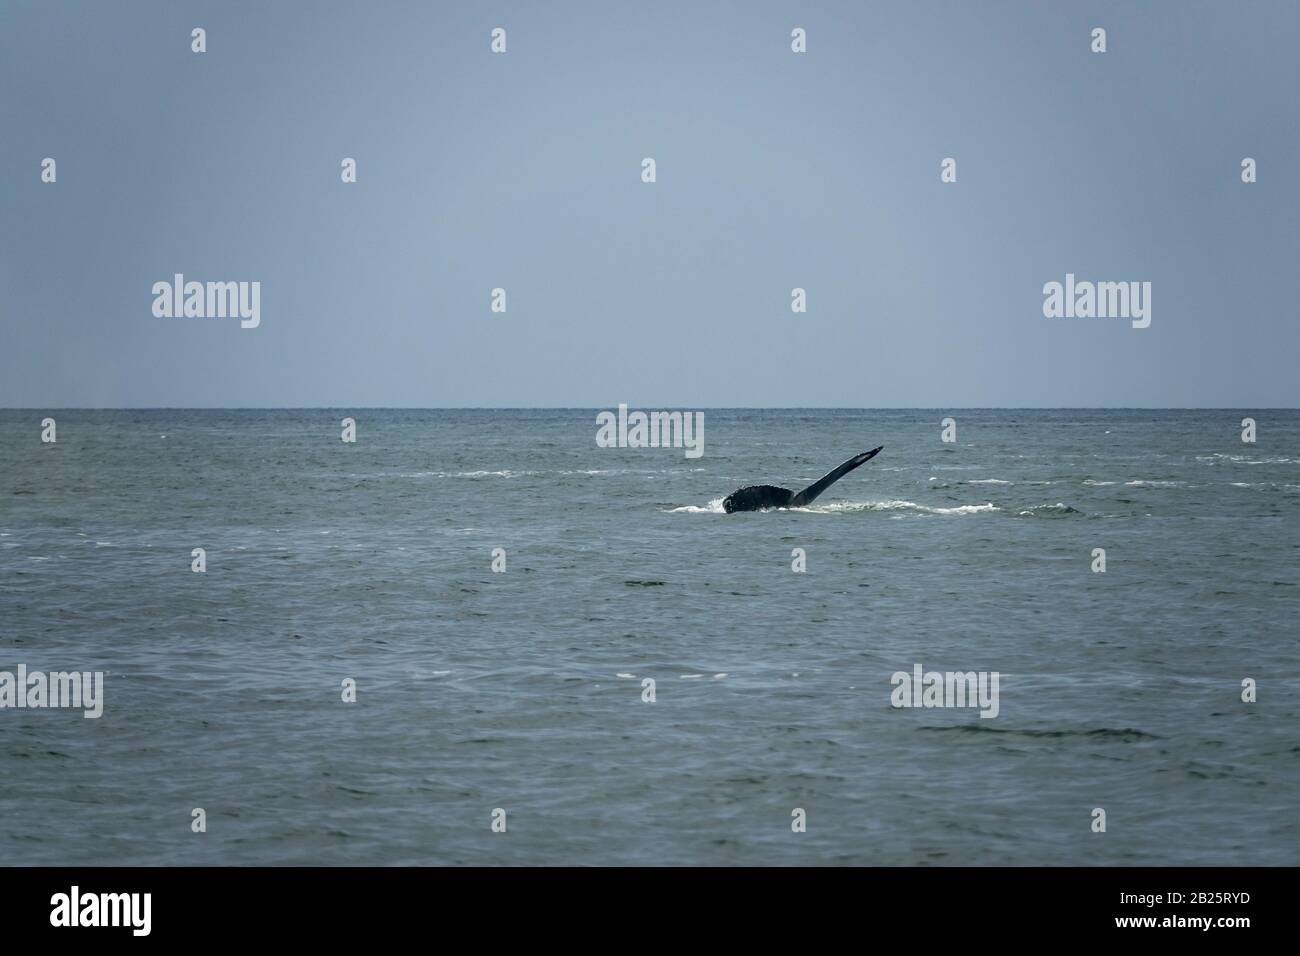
[
  {"x": 623, "y": 471},
  {"x": 1247, "y": 459},
  {"x": 505, "y": 473},
  {"x": 1124, "y": 734},
  {"x": 1138, "y": 483},
  {"x": 897, "y": 504},
  {"x": 1058, "y": 510},
  {"x": 714, "y": 507}
]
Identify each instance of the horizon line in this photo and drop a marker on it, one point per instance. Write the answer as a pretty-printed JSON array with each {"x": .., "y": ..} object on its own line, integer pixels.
[{"x": 584, "y": 408}]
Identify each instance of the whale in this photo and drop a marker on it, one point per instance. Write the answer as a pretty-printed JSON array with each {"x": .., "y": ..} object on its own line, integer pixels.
[{"x": 762, "y": 497}]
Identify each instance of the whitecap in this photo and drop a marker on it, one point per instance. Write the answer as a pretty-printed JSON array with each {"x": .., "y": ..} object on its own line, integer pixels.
[
  {"x": 897, "y": 504},
  {"x": 965, "y": 509},
  {"x": 713, "y": 507},
  {"x": 1060, "y": 509}
]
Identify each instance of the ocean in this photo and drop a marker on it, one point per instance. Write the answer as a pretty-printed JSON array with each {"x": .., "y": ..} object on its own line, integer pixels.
[{"x": 504, "y": 717}]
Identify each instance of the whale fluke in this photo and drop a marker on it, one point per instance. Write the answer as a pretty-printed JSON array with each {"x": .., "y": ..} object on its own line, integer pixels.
[{"x": 758, "y": 497}]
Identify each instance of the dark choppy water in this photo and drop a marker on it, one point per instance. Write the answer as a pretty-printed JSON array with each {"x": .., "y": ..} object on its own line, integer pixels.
[{"x": 479, "y": 690}]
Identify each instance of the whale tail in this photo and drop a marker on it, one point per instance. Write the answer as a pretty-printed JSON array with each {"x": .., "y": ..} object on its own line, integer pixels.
[{"x": 817, "y": 487}]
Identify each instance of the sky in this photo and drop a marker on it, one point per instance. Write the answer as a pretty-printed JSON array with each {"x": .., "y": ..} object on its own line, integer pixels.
[{"x": 775, "y": 170}]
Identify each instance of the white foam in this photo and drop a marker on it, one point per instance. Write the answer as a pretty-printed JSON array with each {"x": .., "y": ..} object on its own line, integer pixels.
[
  {"x": 1248, "y": 460},
  {"x": 1060, "y": 508},
  {"x": 965, "y": 509},
  {"x": 714, "y": 507},
  {"x": 506, "y": 473},
  {"x": 897, "y": 504}
]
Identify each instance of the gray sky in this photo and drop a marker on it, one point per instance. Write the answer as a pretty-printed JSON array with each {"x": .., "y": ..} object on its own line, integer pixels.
[{"x": 775, "y": 170}]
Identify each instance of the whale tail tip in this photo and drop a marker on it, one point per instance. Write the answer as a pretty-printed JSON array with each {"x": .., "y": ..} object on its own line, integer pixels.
[{"x": 816, "y": 488}]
